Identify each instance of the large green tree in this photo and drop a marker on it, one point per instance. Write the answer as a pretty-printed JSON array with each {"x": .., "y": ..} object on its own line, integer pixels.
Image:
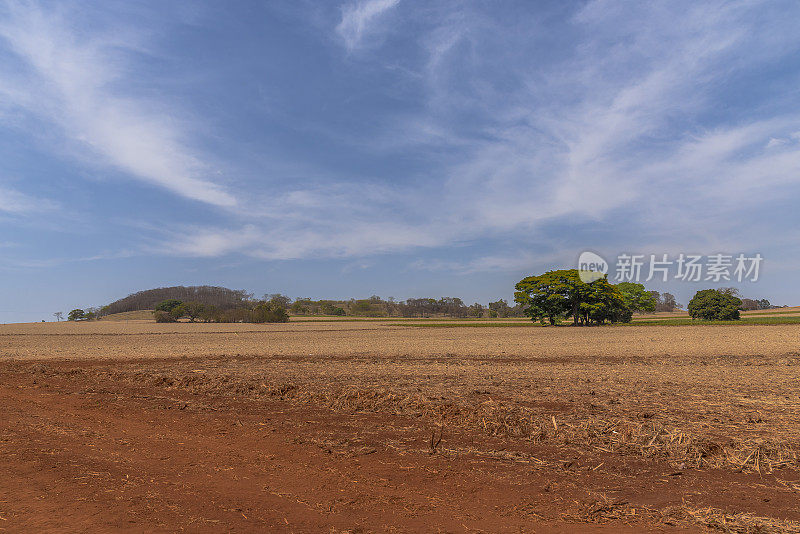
[
  {"x": 562, "y": 293},
  {"x": 545, "y": 296},
  {"x": 714, "y": 305}
]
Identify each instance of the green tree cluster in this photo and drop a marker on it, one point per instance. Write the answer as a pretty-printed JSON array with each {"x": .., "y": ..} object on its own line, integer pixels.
[
  {"x": 262, "y": 311},
  {"x": 560, "y": 294}
]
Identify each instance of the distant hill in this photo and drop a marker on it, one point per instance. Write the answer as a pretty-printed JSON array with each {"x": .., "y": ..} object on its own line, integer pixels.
[{"x": 221, "y": 297}]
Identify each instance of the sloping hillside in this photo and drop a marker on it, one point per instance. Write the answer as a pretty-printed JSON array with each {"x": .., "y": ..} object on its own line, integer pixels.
[{"x": 221, "y": 297}]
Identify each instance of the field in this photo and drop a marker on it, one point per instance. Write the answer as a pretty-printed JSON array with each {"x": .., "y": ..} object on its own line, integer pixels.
[{"x": 384, "y": 425}]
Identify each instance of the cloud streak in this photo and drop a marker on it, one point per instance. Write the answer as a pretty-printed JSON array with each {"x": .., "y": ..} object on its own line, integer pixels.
[
  {"x": 16, "y": 203},
  {"x": 76, "y": 82},
  {"x": 615, "y": 132},
  {"x": 359, "y": 20},
  {"x": 599, "y": 127}
]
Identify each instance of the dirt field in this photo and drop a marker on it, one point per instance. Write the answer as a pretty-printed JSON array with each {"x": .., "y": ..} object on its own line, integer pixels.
[{"x": 359, "y": 426}]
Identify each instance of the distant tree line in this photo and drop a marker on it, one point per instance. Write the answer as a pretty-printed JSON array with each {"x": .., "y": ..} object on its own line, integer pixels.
[
  {"x": 259, "y": 311},
  {"x": 275, "y": 308},
  {"x": 220, "y": 304},
  {"x": 753, "y": 304},
  {"x": 375, "y": 306}
]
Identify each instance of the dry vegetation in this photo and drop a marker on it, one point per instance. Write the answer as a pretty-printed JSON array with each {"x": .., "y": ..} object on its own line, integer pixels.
[
  {"x": 381, "y": 339},
  {"x": 696, "y": 397}
]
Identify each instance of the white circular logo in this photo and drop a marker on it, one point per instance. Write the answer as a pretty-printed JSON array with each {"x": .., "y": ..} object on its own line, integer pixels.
[{"x": 591, "y": 267}]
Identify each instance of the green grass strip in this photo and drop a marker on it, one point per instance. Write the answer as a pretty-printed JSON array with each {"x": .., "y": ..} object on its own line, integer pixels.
[{"x": 745, "y": 320}]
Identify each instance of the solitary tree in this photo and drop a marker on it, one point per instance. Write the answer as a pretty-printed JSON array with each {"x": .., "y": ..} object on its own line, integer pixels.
[
  {"x": 59, "y": 315},
  {"x": 713, "y": 304}
]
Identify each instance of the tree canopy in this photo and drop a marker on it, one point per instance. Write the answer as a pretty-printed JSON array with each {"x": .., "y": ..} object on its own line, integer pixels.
[
  {"x": 636, "y": 297},
  {"x": 715, "y": 305},
  {"x": 168, "y": 305},
  {"x": 76, "y": 315},
  {"x": 561, "y": 293}
]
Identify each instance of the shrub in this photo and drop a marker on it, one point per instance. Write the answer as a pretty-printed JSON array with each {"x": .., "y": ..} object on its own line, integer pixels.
[
  {"x": 714, "y": 305},
  {"x": 162, "y": 316}
]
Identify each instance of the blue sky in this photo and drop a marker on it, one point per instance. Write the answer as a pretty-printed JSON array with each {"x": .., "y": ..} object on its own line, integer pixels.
[{"x": 389, "y": 147}]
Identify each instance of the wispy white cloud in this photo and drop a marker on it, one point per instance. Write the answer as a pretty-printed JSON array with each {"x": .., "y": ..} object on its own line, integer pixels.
[
  {"x": 288, "y": 241},
  {"x": 615, "y": 127},
  {"x": 77, "y": 81},
  {"x": 612, "y": 131},
  {"x": 516, "y": 132},
  {"x": 359, "y": 20},
  {"x": 17, "y": 203}
]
